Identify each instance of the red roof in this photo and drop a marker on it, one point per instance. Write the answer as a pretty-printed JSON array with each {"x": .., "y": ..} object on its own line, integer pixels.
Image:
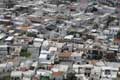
[
  {"x": 57, "y": 74},
  {"x": 117, "y": 40}
]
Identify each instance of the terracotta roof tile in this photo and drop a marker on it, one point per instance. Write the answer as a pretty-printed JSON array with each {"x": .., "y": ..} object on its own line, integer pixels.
[
  {"x": 57, "y": 74},
  {"x": 65, "y": 54}
]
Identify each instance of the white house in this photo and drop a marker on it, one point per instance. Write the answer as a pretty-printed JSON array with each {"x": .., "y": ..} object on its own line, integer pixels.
[
  {"x": 2, "y": 35},
  {"x": 113, "y": 31},
  {"x": 6, "y": 67},
  {"x": 28, "y": 74},
  {"x": 37, "y": 42},
  {"x": 46, "y": 57},
  {"x": 16, "y": 75},
  {"x": 109, "y": 73},
  {"x": 83, "y": 69}
]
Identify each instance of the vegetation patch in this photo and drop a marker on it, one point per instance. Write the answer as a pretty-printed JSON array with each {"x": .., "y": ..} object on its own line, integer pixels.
[{"x": 25, "y": 53}]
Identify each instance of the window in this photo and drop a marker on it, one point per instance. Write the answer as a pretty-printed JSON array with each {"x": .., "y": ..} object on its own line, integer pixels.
[
  {"x": 107, "y": 72},
  {"x": 88, "y": 69},
  {"x": 74, "y": 57}
]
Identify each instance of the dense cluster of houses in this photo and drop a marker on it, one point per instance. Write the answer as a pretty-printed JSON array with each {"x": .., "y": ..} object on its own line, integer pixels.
[{"x": 46, "y": 40}]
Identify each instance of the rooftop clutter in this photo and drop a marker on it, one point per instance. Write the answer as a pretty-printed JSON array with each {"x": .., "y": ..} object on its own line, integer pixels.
[{"x": 59, "y": 40}]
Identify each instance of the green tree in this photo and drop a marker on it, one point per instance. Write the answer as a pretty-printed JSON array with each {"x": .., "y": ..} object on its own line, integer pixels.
[
  {"x": 71, "y": 75},
  {"x": 118, "y": 35},
  {"x": 110, "y": 19},
  {"x": 29, "y": 34},
  {"x": 25, "y": 53},
  {"x": 6, "y": 77}
]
